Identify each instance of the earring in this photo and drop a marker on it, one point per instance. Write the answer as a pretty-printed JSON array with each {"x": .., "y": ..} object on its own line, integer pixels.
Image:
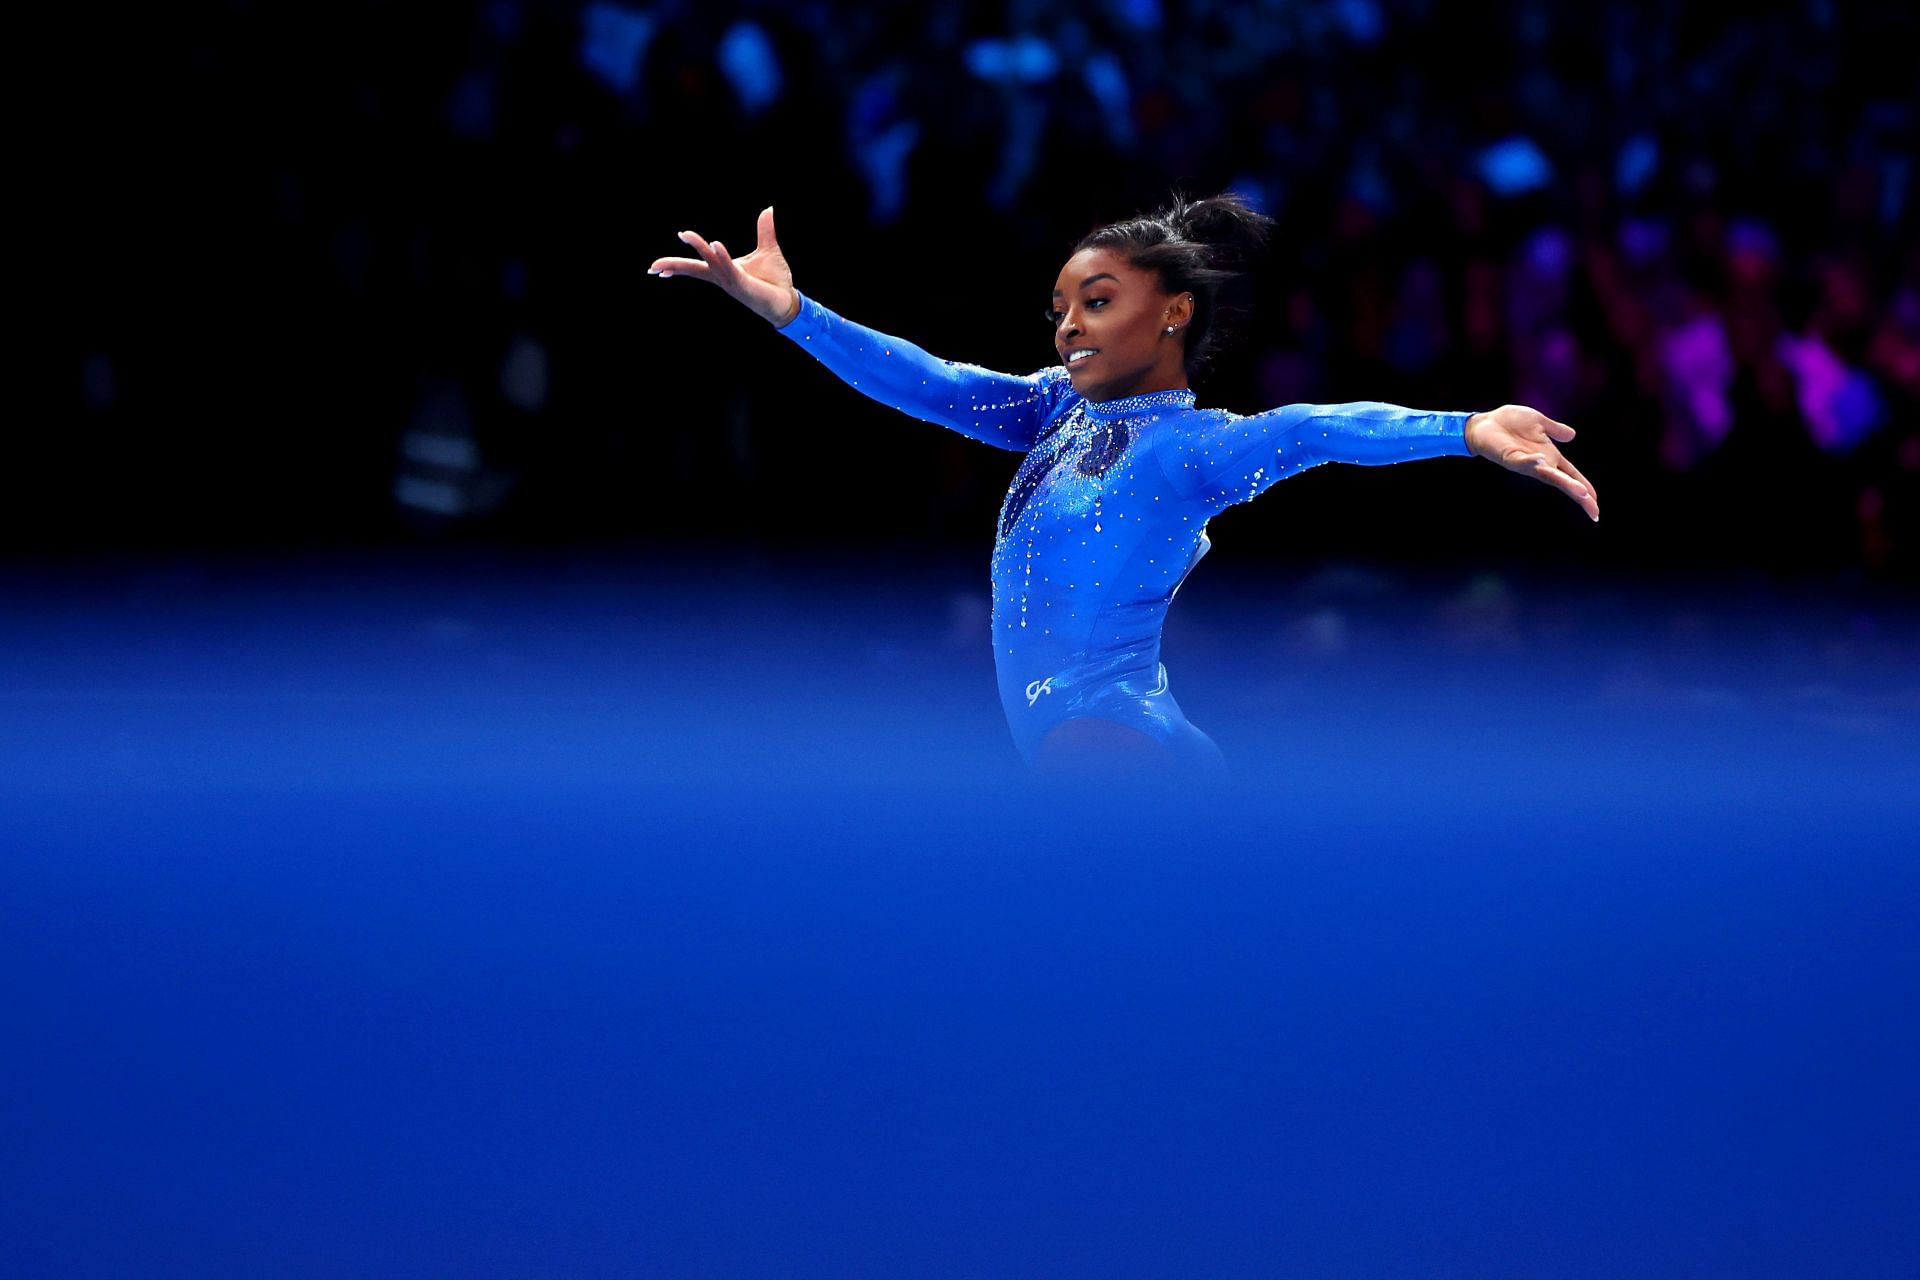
[{"x": 1169, "y": 328}]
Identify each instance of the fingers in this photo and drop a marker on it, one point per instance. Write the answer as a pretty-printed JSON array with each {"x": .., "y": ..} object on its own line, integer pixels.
[
  {"x": 1544, "y": 469},
  {"x": 765, "y": 237},
  {"x": 1550, "y": 474},
  {"x": 1559, "y": 431},
  {"x": 1575, "y": 472},
  {"x": 664, "y": 267},
  {"x": 1548, "y": 470},
  {"x": 716, "y": 257},
  {"x": 711, "y": 265},
  {"x": 1591, "y": 503}
]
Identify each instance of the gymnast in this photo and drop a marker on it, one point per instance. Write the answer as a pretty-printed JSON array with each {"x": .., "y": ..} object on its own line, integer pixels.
[{"x": 1108, "y": 511}]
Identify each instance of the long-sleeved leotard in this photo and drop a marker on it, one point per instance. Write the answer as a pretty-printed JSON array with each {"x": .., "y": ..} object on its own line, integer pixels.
[{"x": 1107, "y": 514}]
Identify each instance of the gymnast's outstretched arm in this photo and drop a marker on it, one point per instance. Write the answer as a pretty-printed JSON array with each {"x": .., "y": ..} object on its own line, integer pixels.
[
  {"x": 996, "y": 408},
  {"x": 1223, "y": 458}
]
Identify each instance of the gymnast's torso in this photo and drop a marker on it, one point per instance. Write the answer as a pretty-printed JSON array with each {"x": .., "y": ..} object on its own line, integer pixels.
[
  {"x": 1107, "y": 513},
  {"x": 1093, "y": 541}
]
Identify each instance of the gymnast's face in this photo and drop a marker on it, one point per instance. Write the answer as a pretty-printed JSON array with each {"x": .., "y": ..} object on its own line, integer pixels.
[{"x": 1105, "y": 305}]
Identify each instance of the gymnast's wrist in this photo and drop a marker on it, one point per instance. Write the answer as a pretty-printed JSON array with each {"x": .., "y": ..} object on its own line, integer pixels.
[{"x": 792, "y": 314}]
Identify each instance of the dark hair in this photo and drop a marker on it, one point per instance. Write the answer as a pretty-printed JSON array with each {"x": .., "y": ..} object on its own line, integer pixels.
[{"x": 1194, "y": 246}]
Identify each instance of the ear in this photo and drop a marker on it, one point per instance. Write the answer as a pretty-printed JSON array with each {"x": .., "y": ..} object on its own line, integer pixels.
[{"x": 1180, "y": 310}]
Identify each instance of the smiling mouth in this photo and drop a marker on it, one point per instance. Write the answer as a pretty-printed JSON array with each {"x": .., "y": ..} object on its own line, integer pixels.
[{"x": 1075, "y": 358}]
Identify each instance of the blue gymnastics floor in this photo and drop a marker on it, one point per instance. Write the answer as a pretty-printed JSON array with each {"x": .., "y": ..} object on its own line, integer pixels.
[{"x": 536, "y": 915}]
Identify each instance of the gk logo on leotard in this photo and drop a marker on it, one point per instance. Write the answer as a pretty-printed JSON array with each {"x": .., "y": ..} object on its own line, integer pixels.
[{"x": 1038, "y": 687}]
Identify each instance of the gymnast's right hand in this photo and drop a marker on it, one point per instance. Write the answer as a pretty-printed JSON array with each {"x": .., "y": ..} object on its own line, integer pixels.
[{"x": 761, "y": 281}]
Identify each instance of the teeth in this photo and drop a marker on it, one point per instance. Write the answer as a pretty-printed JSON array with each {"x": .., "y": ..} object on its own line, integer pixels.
[{"x": 1081, "y": 355}]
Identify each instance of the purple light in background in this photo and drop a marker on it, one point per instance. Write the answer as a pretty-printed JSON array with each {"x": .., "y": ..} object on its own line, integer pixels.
[
  {"x": 1699, "y": 363},
  {"x": 1840, "y": 403}
]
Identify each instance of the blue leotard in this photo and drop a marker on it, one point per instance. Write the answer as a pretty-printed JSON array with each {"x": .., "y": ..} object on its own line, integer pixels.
[{"x": 1108, "y": 512}]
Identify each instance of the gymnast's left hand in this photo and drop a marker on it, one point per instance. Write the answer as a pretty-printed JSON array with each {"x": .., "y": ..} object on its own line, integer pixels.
[{"x": 1525, "y": 440}]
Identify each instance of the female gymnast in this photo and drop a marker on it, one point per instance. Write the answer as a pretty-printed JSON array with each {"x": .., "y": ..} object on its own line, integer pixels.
[{"x": 1107, "y": 514}]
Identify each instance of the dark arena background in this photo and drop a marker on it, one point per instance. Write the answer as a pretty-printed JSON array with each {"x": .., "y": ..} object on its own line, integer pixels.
[{"x": 503, "y": 773}]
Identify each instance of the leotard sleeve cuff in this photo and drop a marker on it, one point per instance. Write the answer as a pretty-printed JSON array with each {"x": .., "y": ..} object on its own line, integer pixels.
[
  {"x": 1457, "y": 429},
  {"x": 793, "y": 328}
]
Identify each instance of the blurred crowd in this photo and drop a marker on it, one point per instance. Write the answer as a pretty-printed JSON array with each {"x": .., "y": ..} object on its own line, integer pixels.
[{"x": 1689, "y": 232}]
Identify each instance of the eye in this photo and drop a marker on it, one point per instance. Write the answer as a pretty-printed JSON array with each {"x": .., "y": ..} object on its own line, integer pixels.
[{"x": 1055, "y": 317}]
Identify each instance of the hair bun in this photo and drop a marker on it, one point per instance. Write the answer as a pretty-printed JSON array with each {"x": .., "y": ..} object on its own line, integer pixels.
[{"x": 1225, "y": 223}]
